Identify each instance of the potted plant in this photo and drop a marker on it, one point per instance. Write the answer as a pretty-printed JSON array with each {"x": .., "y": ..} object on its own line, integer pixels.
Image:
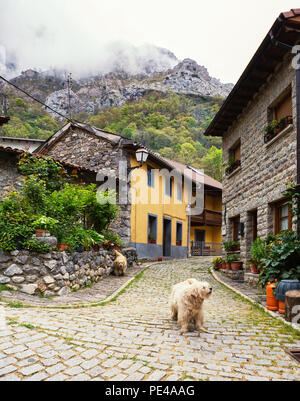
[
  {"x": 228, "y": 261},
  {"x": 259, "y": 252},
  {"x": 151, "y": 239},
  {"x": 62, "y": 247},
  {"x": 275, "y": 126},
  {"x": 232, "y": 165},
  {"x": 254, "y": 269},
  {"x": 43, "y": 225},
  {"x": 217, "y": 263},
  {"x": 235, "y": 264},
  {"x": 231, "y": 246}
]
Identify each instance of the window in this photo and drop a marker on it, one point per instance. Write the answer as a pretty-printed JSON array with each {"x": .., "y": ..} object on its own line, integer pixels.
[
  {"x": 236, "y": 152},
  {"x": 169, "y": 187},
  {"x": 234, "y": 158},
  {"x": 254, "y": 225},
  {"x": 179, "y": 191},
  {"x": 179, "y": 234},
  {"x": 283, "y": 108},
  {"x": 150, "y": 177},
  {"x": 283, "y": 217},
  {"x": 152, "y": 229},
  {"x": 236, "y": 229}
]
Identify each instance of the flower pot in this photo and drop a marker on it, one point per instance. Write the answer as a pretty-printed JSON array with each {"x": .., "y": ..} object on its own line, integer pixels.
[
  {"x": 42, "y": 233},
  {"x": 236, "y": 266},
  {"x": 228, "y": 266},
  {"x": 281, "y": 307},
  {"x": 254, "y": 269},
  {"x": 272, "y": 303},
  {"x": 223, "y": 265},
  {"x": 62, "y": 247}
]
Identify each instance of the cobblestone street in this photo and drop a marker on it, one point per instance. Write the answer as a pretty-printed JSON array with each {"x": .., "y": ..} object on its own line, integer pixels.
[{"x": 132, "y": 338}]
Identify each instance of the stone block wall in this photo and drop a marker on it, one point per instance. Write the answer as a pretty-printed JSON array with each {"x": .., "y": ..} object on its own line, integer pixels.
[
  {"x": 265, "y": 168},
  {"x": 10, "y": 178},
  {"x": 56, "y": 273}
]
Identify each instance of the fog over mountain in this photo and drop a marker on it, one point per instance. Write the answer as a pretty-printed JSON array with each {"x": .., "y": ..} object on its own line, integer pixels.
[{"x": 64, "y": 41}]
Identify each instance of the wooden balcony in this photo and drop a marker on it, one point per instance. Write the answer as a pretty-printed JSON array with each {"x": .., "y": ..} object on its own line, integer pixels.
[{"x": 207, "y": 218}]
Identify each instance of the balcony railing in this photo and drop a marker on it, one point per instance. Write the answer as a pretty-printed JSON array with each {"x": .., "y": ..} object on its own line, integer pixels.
[
  {"x": 206, "y": 248},
  {"x": 207, "y": 218}
]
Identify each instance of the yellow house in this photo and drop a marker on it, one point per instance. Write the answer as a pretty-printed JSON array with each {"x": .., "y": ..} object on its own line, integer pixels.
[{"x": 160, "y": 224}]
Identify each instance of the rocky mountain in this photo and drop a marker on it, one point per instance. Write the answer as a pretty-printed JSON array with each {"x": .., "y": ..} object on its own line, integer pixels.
[{"x": 116, "y": 88}]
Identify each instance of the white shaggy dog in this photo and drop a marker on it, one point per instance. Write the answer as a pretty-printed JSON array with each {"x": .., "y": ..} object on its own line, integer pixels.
[
  {"x": 120, "y": 264},
  {"x": 186, "y": 303}
]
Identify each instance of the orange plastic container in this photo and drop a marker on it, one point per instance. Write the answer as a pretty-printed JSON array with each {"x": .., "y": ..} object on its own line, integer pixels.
[
  {"x": 272, "y": 303},
  {"x": 281, "y": 305}
]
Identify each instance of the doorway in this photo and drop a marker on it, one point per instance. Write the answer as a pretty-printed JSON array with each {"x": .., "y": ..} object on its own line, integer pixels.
[
  {"x": 167, "y": 236},
  {"x": 200, "y": 236}
]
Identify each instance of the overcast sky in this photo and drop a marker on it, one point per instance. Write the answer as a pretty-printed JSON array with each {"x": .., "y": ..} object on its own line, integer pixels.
[{"x": 222, "y": 35}]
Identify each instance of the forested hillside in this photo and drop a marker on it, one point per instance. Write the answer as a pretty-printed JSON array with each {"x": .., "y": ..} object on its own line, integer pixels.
[{"x": 170, "y": 124}]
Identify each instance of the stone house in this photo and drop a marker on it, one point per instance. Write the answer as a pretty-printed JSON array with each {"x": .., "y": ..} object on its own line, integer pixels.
[
  {"x": 155, "y": 229},
  {"x": 11, "y": 178},
  {"x": 258, "y": 165}
]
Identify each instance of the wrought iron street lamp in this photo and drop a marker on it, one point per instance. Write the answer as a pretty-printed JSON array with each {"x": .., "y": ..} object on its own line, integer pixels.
[{"x": 141, "y": 156}]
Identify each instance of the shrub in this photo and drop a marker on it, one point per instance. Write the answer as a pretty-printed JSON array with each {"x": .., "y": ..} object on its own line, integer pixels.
[
  {"x": 112, "y": 239},
  {"x": 259, "y": 252},
  {"x": 283, "y": 259}
]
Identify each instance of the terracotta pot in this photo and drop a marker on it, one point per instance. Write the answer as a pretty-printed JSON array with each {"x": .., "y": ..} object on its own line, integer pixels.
[
  {"x": 272, "y": 303},
  {"x": 223, "y": 265},
  {"x": 281, "y": 307},
  {"x": 41, "y": 233},
  {"x": 254, "y": 269},
  {"x": 62, "y": 247},
  {"x": 236, "y": 266},
  {"x": 228, "y": 266}
]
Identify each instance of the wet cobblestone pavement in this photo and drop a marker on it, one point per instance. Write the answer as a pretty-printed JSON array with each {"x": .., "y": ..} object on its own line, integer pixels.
[{"x": 134, "y": 339}]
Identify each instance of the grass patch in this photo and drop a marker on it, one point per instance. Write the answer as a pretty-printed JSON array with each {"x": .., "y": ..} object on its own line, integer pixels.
[
  {"x": 11, "y": 322},
  {"x": 15, "y": 305},
  {"x": 28, "y": 326},
  {"x": 5, "y": 288}
]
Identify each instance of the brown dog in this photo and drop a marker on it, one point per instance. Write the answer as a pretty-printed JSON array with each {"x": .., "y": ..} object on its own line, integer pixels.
[
  {"x": 186, "y": 303},
  {"x": 120, "y": 264}
]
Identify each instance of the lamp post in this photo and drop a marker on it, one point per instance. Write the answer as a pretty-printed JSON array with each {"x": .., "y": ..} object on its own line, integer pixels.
[{"x": 188, "y": 212}]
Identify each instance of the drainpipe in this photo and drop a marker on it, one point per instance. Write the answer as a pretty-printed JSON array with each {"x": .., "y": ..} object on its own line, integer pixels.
[
  {"x": 298, "y": 122},
  {"x": 188, "y": 212},
  {"x": 298, "y": 131}
]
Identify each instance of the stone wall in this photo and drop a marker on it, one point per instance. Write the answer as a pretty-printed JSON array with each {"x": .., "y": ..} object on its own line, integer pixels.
[
  {"x": 265, "y": 168},
  {"x": 83, "y": 148},
  {"x": 10, "y": 178},
  {"x": 56, "y": 273}
]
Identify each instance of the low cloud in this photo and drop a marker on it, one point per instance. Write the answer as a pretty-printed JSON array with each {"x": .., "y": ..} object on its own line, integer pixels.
[{"x": 69, "y": 36}]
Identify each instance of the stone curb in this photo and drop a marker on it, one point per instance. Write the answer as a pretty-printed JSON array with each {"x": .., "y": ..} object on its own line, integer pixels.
[
  {"x": 273, "y": 314},
  {"x": 90, "y": 304}
]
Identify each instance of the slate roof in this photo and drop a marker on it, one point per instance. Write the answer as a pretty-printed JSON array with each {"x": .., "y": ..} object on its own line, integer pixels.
[{"x": 286, "y": 29}]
